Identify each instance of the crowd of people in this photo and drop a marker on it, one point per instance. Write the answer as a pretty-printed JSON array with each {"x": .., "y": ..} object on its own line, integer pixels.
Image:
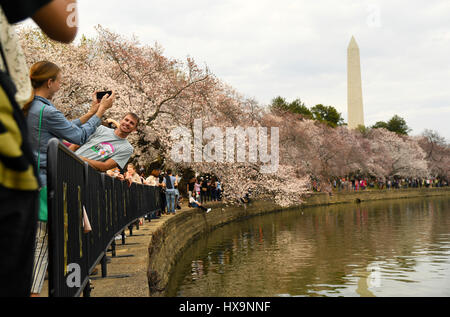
[
  {"x": 363, "y": 183},
  {"x": 199, "y": 190},
  {"x": 205, "y": 188}
]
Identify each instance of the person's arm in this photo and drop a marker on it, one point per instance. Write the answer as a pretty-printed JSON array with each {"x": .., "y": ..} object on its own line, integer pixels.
[
  {"x": 101, "y": 166},
  {"x": 113, "y": 122},
  {"x": 92, "y": 110},
  {"x": 128, "y": 178},
  {"x": 65, "y": 129},
  {"x": 95, "y": 109},
  {"x": 74, "y": 147},
  {"x": 58, "y": 19},
  {"x": 87, "y": 116},
  {"x": 98, "y": 108}
]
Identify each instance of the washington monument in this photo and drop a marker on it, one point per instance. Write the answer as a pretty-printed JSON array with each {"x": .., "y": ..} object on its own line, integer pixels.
[{"x": 354, "y": 86}]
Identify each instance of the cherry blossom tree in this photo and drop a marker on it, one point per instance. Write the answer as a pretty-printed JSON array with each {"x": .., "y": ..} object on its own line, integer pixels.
[
  {"x": 437, "y": 152},
  {"x": 83, "y": 69},
  {"x": 406, "y": 157}
]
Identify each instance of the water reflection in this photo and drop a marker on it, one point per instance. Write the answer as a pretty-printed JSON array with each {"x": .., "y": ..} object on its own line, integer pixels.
[{"x": 387, "y": 248}]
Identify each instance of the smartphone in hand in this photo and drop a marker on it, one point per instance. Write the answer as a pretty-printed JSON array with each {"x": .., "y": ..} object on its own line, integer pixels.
[{"x": 101, "y": 94}]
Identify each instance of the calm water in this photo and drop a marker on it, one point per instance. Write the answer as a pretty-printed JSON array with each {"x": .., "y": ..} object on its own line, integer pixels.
[{"x": 387, "y": 248}]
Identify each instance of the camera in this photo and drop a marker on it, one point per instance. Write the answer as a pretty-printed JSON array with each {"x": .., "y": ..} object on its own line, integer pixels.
[{"x": 101, "y": 94}]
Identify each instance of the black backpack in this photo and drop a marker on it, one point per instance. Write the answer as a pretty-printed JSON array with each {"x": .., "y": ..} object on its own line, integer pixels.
[{"x": 169, "y": 184}]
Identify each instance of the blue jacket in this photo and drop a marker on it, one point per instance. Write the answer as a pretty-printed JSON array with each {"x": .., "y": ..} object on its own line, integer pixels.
[{"x": 55, "y": 125}]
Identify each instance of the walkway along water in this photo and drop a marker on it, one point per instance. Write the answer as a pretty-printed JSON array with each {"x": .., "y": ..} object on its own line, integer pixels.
[
  {"x": 127, "y": 271},
  {"x": 155, "y": 247}
]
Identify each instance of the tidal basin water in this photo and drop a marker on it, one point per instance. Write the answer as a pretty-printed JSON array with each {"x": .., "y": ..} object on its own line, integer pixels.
[{"x": 383, "y": 248}]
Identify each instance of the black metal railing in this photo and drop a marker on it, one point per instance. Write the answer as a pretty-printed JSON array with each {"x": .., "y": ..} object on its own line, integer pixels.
[{"x": 111, "y": 206}]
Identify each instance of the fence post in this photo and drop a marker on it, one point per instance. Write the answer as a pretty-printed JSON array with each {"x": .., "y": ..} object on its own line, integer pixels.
[
  {"x": 87, "y": 288},
  {"x": 104, "y": 266},
  {"x": 130, "y": 227},
  {"x": 53, "y": 215},
  {"x": 113, "y": 248}
]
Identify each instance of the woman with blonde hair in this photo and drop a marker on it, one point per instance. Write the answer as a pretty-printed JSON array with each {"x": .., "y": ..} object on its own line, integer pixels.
[{"x": 45, "y": 122}]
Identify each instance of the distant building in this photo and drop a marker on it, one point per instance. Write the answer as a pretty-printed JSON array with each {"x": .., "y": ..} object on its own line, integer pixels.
[{"x": 354, "y": 86}]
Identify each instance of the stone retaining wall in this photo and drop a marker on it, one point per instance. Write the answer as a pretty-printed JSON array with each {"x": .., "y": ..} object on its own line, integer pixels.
[
  {"x": 317, "y": 199},
  {"x": 169, "y": 241}
]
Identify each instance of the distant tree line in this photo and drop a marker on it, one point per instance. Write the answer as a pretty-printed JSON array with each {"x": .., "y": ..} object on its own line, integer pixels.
[
  {"x": 396, "y": 124},
  {"x": 330, "y": 116},
  {"x": 326, "y": 114}
]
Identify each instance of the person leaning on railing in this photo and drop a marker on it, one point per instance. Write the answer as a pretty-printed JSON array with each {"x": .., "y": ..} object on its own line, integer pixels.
[
  {"x": 108, "y": 148},
  {"x": 18, "y": 174},
  {"x": 115, "y": 172},
  {"x": 133, "y": 177},
  {"x": 153, "y": 180}
]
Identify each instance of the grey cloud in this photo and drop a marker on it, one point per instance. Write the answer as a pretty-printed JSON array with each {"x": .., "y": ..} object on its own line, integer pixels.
[{"x": 298, "y": 48}]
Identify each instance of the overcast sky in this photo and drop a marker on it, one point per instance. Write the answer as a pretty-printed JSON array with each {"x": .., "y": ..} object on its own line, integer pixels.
[{"x": 298, "y": 49}]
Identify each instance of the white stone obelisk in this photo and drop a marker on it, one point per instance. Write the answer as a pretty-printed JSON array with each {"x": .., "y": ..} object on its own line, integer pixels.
[{"x": 354, "y": 86}]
